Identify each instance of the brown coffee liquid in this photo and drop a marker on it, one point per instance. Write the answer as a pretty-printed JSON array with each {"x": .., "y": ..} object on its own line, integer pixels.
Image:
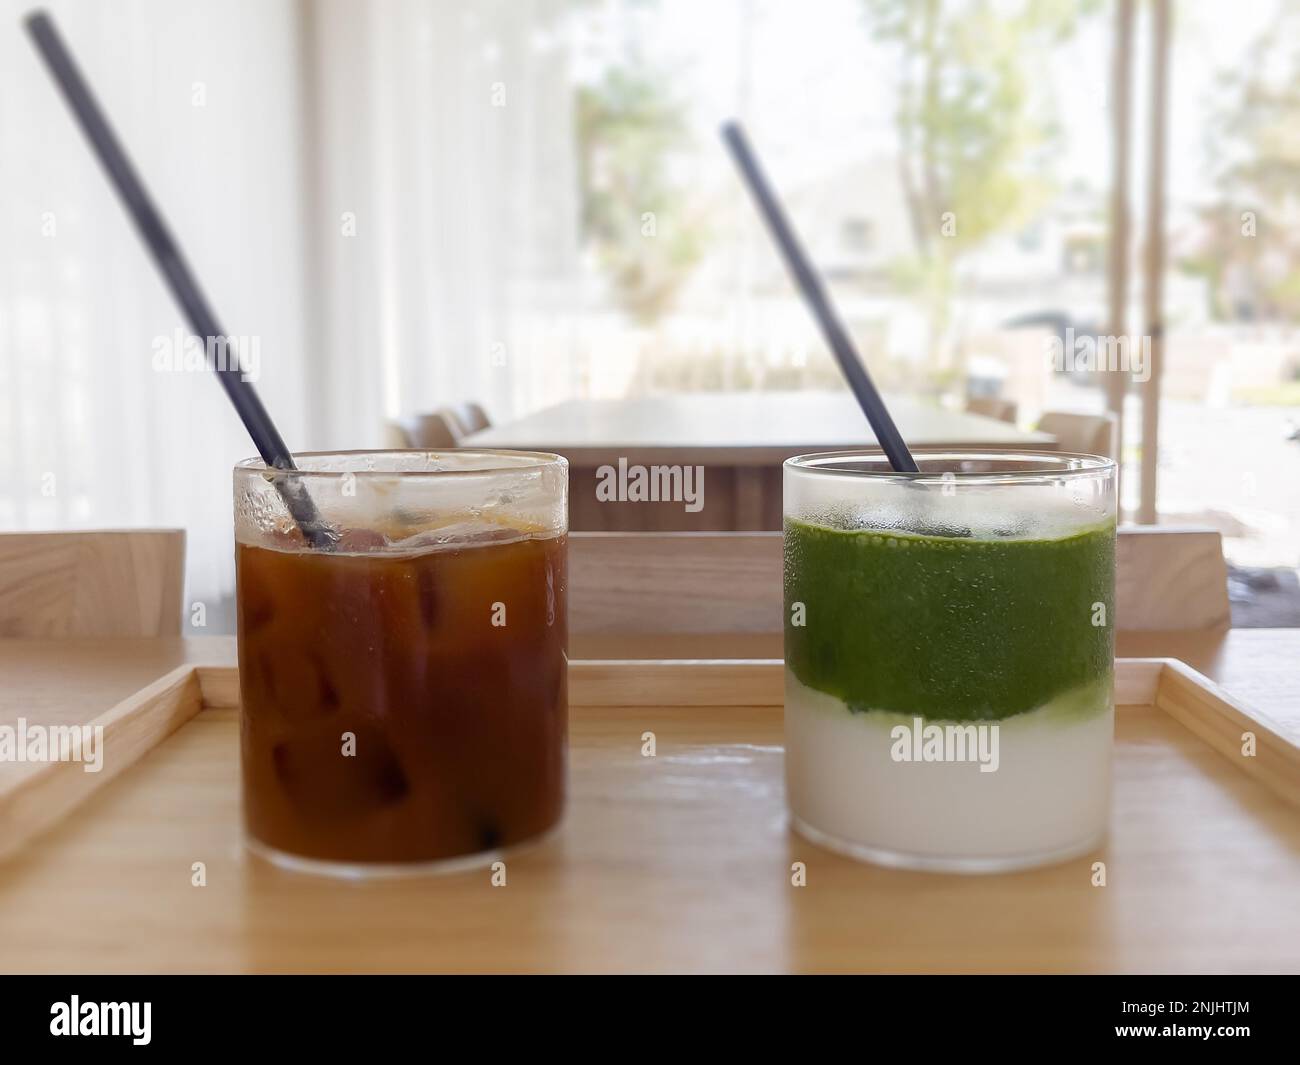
[{"x": 386, "y": 718}]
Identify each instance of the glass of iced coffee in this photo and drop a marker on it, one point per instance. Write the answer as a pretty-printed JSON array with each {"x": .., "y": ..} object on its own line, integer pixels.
[{"x": 403, "y": 669}]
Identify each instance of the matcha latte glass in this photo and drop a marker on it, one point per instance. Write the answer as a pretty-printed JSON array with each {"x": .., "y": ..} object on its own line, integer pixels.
[{"x": 949, "y": 655}]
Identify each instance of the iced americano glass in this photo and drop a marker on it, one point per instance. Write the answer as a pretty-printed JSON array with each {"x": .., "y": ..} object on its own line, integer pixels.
[
  {"x": 949, "y": 656},
  {"x": 403, "y": 689}
]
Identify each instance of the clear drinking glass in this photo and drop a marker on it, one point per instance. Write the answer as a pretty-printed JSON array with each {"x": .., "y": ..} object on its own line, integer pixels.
[
  {"x": 403, "y": 691},
  {"x": 949, "y": 656}
]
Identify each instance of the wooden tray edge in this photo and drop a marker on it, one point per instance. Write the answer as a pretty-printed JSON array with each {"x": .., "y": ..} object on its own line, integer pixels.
[
  {"x": 614, "y": 682},
  {"x": 1244, "y": 736},
  {"x": 1190, "y": 698},
  {"x": 46, "y": 792},
  {"x": 697, "y": 682}
]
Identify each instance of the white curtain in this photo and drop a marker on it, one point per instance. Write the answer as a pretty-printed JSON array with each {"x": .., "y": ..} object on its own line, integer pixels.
[
  {"x": 204, "y": 97},
  {"x": 379, "y": 194},
  {"x": 445, "y": 144}
]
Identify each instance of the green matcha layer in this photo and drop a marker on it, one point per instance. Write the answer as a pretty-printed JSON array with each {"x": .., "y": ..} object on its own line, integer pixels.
[{"x": 943, "y": 627}]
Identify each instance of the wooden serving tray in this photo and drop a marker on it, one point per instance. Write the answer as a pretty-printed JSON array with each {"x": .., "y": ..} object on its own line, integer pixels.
[{"x": 681, "y": 862}]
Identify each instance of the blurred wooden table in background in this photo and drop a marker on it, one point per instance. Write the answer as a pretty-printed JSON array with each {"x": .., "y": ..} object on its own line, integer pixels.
[{"x": 740, "y": 438}]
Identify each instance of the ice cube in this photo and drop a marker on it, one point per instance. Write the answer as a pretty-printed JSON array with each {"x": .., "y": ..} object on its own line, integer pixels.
[
  {"x": 298, "y": 684},
  {"x": 323, "y": 781},
  {"x": 361, "y": 541}
]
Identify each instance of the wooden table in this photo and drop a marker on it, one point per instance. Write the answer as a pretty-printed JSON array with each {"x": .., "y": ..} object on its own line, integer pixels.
[
  {"x": 740, "y": 439},
  {"x": 111, "y": 888}
]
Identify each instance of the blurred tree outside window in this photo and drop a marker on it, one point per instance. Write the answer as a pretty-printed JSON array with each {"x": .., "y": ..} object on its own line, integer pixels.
[
  {"x": 977, "y": 146},
  {"x": 629, "y": 127}
]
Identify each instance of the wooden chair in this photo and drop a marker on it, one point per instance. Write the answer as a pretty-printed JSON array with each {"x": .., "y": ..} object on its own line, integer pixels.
[
  {"x": 730, "y": 584},
  {"x": 433, "y": 432},
  {"x": 397, "y": 434},
  {"x": 1004, "y": 410},
  {"x": 1170, "y": 579},
  {"x": 92, "y": 583},
  {"x": 675, "y": 582},
  {"x": 1082, "y": 434},
  {"x": 471, "y": 417}
]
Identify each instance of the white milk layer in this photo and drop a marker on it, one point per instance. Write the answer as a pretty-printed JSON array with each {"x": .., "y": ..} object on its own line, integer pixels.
[{"x": 1049, "y": 795}]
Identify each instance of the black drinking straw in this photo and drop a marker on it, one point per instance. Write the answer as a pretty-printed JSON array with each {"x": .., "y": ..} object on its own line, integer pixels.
[
  {"x": 891, "y": 441},
  {"x": 157, "y": 237}
]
